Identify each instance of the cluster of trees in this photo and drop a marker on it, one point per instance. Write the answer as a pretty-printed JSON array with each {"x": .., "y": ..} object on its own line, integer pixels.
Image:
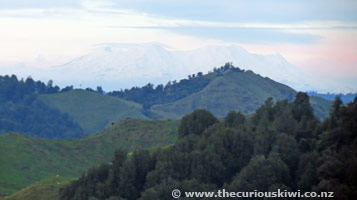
[
  {"x": 20, "y": 110},
  {"x": 282, "y": 146},
  {"x": 12, "y": 89},
  {"x": 99, "y": 90},
  {"x": 149, "y": 95}
]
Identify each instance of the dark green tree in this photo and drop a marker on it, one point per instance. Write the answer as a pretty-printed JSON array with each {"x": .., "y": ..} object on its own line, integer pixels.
[
  {"x": 196, "y": 122},
  {"x": 301, "y": 107},
  {"x": 234, "y": 119}
]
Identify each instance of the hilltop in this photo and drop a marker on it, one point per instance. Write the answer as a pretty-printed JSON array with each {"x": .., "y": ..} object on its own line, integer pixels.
[
  {"x": 220, "y": 91},
  {"x": 230, "y": 89}
]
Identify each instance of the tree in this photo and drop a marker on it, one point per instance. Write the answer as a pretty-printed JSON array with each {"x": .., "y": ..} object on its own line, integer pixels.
[
  {"x": 265, "y": 112},
  {"x": 260, "y": 174},
  {"x": 99, "y": 90},
  {"x": 234, "y": 119},
  {"x": 306, "y": 172},
  {"x": 336, "y": 106},
  {"x": 301, "y": 107},
  {"x": 196, "y": 122},
  {"x": 288, "y": 149},
  {"x": 67, "y": 89}
]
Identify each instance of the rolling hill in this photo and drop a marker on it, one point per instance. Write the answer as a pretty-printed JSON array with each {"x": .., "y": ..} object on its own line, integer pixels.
[
  {"x": 92, "y": 111},
  {"x": 234, "y": 89},
  {"x": 25, "y": 160},
  {"x": 225, "y": 89}
]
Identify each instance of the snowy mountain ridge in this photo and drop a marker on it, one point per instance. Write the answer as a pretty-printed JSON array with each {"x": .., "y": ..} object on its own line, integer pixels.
[{"x": 120, "y": 65}]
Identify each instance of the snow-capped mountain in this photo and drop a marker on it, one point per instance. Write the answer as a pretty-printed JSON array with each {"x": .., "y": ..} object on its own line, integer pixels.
[{"x": 116, "y": 66}]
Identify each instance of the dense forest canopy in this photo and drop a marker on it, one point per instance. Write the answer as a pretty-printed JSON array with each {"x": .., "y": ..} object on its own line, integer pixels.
[
  {"x": 282, "y": 146},
  {"x": 20, "y": 110},
  {"x": 149, "y": 95}
]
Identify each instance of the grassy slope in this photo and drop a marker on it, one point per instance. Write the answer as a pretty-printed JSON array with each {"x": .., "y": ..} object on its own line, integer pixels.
[
  {"x": 92, "y": 111},
  {"x": 47, "y": 189},
  {"x": 25, "y": 160},
  {"x": 243, "y": 91},
  {"x": 236, "y": 91}
]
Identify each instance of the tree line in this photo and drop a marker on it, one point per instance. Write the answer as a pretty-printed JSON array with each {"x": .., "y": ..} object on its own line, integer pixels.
[{"x": 20, "y": 111}]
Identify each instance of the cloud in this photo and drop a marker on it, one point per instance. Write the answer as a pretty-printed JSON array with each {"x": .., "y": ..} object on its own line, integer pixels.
[
  {"x": 274, "y": 11},
  {"x": 236, "y": 21},
  {"x": 28, "y": 4},
  {"x": 90, "y": 4},
  {"x": 240, "y": 34}
]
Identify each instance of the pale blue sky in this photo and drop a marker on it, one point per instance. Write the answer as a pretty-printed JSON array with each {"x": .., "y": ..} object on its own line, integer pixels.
[
  {"x": 273, "y": 11},
  {"x": 277, "y": 11}
]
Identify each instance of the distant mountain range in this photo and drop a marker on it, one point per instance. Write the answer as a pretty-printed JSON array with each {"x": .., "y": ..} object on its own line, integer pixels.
[
  {"x": 116, "y": 65},
  {"x": 345, "y": 98}
]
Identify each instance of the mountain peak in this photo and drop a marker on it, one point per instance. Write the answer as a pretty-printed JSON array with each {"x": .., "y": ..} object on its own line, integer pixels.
[{"x": 124, "y": 65}]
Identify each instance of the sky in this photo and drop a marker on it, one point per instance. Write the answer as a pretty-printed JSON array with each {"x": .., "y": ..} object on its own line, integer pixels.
[{"x": 319, "y": 36}]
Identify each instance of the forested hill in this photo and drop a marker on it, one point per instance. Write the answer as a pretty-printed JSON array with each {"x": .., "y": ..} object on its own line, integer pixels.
[
  {"x": 282, "y": 146},
  {"x": 220, "y": 91},
  {"x": 175, "y": 90},
  {"x": 21, "y": 111}
]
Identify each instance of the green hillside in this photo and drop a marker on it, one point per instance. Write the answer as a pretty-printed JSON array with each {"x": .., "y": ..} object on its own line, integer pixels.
[
  {"x": 229, "y": 90},
  {"x": 25, "y": 160},
  {"x": 234, "y": 89},
  {"x": 221, "y": 91},
  {"x": 47, "y": 189},
  {"x": 92, "y": 111}
]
